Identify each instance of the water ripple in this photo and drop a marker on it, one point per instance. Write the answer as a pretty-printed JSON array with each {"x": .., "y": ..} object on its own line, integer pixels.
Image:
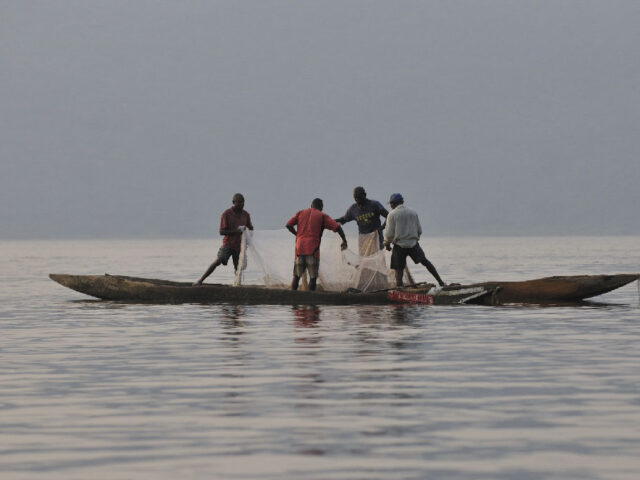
[{"x": 118, "y": 391}]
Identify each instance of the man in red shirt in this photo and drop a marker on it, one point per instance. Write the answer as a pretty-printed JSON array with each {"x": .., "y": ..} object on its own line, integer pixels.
[
  {"x": 233, "y": 222},
  {"x": 311, "y": 223}
]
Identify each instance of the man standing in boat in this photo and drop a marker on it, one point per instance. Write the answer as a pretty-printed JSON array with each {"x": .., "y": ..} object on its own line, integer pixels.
[
  {"x": 403, "y": 230},
  {"x": 367, "y": 215},
  {"x": 372, "y": 274},
  {"x": 233, "y": 222},
  {"x": 311, "y": 223}
]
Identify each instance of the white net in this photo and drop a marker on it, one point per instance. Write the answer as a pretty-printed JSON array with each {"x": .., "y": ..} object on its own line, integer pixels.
[
  {"x": 369, "y": 266},
  {"x": 242, "y": 261},
  {"x": 268, "y": 256}
]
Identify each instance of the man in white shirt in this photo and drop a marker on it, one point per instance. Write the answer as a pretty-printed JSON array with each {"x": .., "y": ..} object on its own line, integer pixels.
[{"x": 403, "y": 230}]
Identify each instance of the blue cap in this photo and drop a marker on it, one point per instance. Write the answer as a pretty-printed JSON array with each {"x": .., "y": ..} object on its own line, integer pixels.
[{"x": 396, "y": 198}]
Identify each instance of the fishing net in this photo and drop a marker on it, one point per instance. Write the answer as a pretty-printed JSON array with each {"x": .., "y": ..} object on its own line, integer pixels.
[
  {"x": 267, "y": 257},
  {"x": 368, "y": 268}
]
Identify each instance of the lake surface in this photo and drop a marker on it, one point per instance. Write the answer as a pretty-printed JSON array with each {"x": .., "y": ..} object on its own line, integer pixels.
[{"x": 103, "y": 390}]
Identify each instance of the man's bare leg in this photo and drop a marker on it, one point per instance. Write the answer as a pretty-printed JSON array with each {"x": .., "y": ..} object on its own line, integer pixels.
[
  {"x": 399, "y": 282},
  {"x": 209, "y": 271},
  {"x": 433, "y": 271}
]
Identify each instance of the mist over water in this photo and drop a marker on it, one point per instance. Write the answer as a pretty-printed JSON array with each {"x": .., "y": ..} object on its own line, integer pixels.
[
  {"x": 144, "y": 118},
  {"x": 92, "y": 389}
]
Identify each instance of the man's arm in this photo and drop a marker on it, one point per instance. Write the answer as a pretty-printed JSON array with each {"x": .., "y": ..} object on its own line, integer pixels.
[
  {"x": 224, "y": 227},
  {"x": 293, "y": 221},
  {"x": 230, "y": 232},
  {"x": 347, "y": 217},
  {"x": 331, "y": 224},
  {"x": 340, "y": 232},
  {"x": 389, "y": 232},
  {"x": 384, "y": 213}
]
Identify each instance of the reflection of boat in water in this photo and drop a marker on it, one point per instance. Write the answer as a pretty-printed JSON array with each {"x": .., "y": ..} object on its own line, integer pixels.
[{"x": 560, "y": 289}]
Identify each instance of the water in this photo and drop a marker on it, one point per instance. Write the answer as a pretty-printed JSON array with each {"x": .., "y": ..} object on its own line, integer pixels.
[{"x": 101, "y": 390}]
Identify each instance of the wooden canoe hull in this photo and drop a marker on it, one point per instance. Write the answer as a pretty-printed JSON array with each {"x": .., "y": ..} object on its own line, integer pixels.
[
  {"x": 132, "y": 289},
  {"x": 558, "y": 289},
  {"x": 544, "y": 290},
  {"x": 146, "y": 290}
]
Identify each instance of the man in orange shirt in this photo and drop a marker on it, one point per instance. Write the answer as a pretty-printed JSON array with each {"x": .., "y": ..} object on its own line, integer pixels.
[{"x": 311, "y": 223}]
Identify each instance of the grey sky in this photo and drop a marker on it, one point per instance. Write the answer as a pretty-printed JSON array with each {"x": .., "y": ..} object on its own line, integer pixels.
[{"x": 142, "y": 118}]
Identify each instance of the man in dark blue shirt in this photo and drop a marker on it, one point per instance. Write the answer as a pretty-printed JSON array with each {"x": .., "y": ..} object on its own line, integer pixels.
[{"x": 367, "y": 215}]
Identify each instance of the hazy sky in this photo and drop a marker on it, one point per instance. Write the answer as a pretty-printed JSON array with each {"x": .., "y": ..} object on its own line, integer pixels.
[{"x": 142, "y": 118}]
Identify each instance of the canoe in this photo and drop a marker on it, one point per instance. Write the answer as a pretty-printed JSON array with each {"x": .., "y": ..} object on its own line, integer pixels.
[
  {"x": 560, "y": 289},
  {"x": 148, "y": 290}
]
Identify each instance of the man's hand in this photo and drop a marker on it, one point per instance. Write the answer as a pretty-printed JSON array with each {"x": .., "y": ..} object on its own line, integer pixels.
[
  {"x": 343, "y": 245},
  {"x": 387, "y": 245},
  {"x": 242, "y": 228}
]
